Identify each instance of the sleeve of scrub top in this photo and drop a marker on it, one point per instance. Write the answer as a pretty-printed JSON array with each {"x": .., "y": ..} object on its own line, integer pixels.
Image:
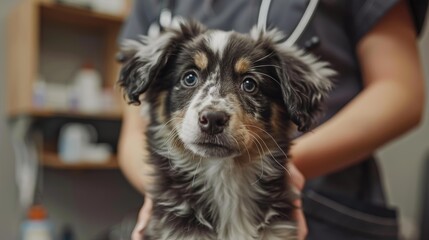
[{"x": 364, "y": 14}]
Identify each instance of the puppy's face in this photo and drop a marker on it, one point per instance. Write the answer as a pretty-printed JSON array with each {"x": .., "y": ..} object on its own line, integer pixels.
[
  {"x": 226, "y": 97},
  {"x": 224, "y": 94}
]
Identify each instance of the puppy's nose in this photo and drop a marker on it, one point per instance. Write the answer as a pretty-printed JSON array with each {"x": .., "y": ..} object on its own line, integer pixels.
[{"x": 213, "y": 122}]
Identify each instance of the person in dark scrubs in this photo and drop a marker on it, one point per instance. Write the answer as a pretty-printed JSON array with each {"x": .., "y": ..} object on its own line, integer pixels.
[{"x": 378, "y": 96}]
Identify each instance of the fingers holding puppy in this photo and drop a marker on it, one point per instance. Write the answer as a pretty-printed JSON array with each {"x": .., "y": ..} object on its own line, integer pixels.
[
  {"x": 298, "y": 181},
  {"x": 142, "y": 219}
]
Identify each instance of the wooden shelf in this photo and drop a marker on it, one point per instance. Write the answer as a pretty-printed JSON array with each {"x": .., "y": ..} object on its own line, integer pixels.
[
  {"x": 36, "y": 30},
  {"x": 50, "y": 113},
  {"x": 27, "y": 24},
  {"x": 53, "y": 160},
  {"x": 53, "y": 11}
]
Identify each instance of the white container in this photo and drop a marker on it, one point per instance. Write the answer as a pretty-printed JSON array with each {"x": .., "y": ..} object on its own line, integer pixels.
[
  {"x": 113, "y": 7},
  {"x": 77, "y": 3},
  {"x": 56, "y": 96},
  {"x": 37, "y": 225},
  {"x": 97, "y": 153},
  {"x": 74, "y": 140},
  {"x": 37, "y": 230},
  {"x": 39, "y": 93},
  {"x": 87, "y": 87}
]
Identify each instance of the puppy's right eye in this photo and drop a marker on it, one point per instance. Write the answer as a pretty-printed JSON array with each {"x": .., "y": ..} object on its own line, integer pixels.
[
  {"x": 190, "y": 79},
  {"x": 249, "y": 85}
]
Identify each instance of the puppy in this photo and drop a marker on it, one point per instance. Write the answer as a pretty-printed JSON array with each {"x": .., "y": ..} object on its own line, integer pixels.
[{"x": 222, "y": 107}]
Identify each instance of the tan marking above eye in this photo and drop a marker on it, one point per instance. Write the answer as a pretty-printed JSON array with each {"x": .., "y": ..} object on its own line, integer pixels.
[
  {"x": 201, "y": 60},
  {"x": 242, "y": 65}
]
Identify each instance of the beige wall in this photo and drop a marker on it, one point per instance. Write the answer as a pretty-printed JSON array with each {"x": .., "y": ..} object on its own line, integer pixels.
[
  {"x": 403, "y": 161},
  {"x": 92, "y": 201},
  {"x": 9, "y": 212}
]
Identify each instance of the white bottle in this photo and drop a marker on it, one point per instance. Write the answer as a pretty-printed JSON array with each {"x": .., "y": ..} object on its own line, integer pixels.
[
  {"x": 113, "y": 7},
  {"x": 39, "y": 93},
  {"x": 74, "y": 139},
  {"x": 88, "y": 90},
  {"x": 37, "y": 225}
]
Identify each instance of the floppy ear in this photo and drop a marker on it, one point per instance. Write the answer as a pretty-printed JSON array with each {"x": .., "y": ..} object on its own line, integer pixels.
[
  {"x": 143, "y": 60},
  {"x": 305, "y": 83},
  {"x": 304, "y": 79}
]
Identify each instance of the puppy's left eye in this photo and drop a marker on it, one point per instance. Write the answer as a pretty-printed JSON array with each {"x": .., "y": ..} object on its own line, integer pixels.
[
  {"x": 190, "y": 79},
  {"x": 249, "y": 85}
]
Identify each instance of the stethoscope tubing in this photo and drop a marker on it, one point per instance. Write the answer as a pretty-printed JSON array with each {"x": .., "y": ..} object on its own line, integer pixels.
[
  {"x": 300, "y": 27},
  {"x": 166, "y": 16},
  {"x": 166, "y": 19}
]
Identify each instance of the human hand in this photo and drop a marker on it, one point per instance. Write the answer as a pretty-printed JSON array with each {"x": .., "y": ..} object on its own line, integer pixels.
[
  {"x": 298, "y": 181},
  {"x": 142, "y": 219}
]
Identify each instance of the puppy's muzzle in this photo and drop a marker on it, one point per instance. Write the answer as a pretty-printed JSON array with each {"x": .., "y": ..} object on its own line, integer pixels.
[{"x": 213, "y": 122}]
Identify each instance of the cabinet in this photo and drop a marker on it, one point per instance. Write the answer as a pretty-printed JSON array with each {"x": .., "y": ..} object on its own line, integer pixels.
[{"x": 53, "y": 40}]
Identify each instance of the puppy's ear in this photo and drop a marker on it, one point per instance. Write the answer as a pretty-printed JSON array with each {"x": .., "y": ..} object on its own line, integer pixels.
[
  {"x": 305, "y": 83},
  {"x": 304, "y": 79},
  {"x": 143, "y": 60}
]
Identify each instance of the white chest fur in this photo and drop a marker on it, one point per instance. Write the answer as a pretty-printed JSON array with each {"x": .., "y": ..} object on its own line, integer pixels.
[
  {"x": 232, "y": 195},
  {"x": 230, "y": 192}
]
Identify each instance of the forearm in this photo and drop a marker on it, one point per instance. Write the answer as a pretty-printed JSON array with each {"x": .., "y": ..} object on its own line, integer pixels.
[
  {"x": 133, "y": 165},
  {"x": 390, "y": 104},
  {"x": 379, "y": 114},
  {"x": 132, "y": 151}
]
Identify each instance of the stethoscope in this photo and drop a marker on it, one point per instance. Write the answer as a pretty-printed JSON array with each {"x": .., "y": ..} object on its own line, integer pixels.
[{"x": 166, "y": 19}]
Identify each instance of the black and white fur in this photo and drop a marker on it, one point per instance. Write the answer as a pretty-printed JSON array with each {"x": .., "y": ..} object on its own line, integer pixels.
[{"x": 229, "y": 182}]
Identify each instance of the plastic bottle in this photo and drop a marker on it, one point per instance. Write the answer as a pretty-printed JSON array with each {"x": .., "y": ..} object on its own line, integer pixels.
[
  {"x": 39, "y": 93},
  {"x": 87, "y": 83},
  {"x": 37, "y": 225}
]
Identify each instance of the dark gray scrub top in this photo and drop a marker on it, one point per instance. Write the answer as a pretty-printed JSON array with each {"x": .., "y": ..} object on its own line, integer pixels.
[{"x": 338, "y": 24}]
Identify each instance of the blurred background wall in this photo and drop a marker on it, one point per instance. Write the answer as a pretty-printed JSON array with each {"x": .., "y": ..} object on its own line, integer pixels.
[
  {"x": 9, "y": 210},
  {"x": 402, "y": 163},
  {"x": 91, "y": 202}
]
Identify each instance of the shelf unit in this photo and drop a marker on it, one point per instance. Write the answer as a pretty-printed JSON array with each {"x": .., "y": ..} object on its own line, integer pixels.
[
  {"x": 52, "y": 160},
  {"x": 27, "y": 25},
  {"x": 77, "y": 15},
  {"x": 24, "y": 41},
  {"x": 49, "y": 113}
]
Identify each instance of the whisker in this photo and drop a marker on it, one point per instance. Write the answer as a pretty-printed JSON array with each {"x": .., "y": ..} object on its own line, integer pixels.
[
  {"x": 267, "y": 65},
  {"x": 269, "y": 135},
  {"x": 195, "y": 172},
  {"x": 269, "y": 151},
  {"x": 169, "y": 151},
  {"x": 264, "y": 57},
  {"x": 264, "y": 74},
  {"x": 260, "y": 151},
  {"x": 244, "y": 144},
  {"x": 261, "y": 159},
  {"x": 166, "y": 123}
]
